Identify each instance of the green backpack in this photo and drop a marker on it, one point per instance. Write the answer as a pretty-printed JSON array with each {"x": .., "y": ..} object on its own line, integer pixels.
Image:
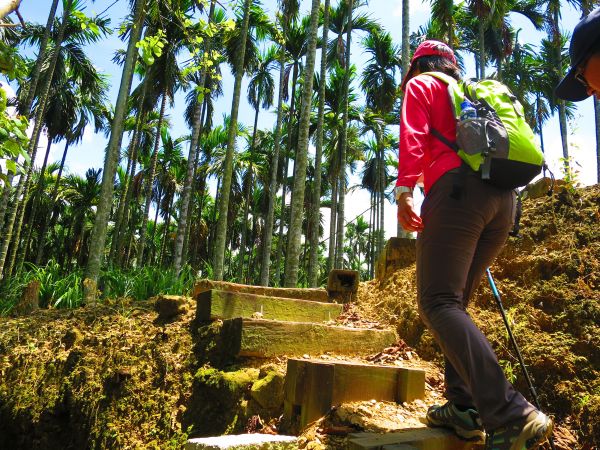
[{"x": 498, "y": 143}]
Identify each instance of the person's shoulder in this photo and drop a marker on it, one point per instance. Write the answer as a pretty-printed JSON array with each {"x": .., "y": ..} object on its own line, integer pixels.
[{"x": 425, "y": 83}]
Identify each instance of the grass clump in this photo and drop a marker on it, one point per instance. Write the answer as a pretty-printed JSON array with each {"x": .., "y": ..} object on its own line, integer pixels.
[{"x": 60, "y": 289}]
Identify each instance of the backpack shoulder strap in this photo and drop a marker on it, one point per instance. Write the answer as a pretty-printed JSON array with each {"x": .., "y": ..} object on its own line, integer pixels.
[
  {"x": 442, "y": 76},
  {"x": 455, "y": 89},
  {"x": 441, "y": 137}
]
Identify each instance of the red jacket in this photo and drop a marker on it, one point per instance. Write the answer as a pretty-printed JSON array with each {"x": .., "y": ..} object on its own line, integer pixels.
[{"x": 426, "y": 105}]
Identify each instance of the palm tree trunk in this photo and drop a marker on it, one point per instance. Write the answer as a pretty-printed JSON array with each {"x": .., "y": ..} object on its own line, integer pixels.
[
  {"x": 292, "y": 260},
  {"x": 313, "y": 256},
  {"x": 339, "y": 260},
  {"x": 377, "y": 225},
  {"x": 247, "y": 202},
  {"x": 124, "y": 221},
  {"x": 213, "y": 230},
  {"x": 371, "y": 234},
  {"x": 5, "y": 197},
  {"x": 129, "y": 173},
  {"x": 290, "y": 140},
  {"x": 163, "y": 245},
  {"x": 153, "y": 256},
  {"x": 332, "y": 221},
  {"x": 597, "y": 114},
  {"x": 35, "y": 75},
  {"x": 406, "y": 37},
  {"x": 36, "y": 198},
  {"x": 562, "y": 120},
  {"x": 481, "y": 29},
  {"x": 221, "y": 235},
  {"x": 268, "y": 230},
  {"x": 49, "y": 219},
  {"x": 150, "y": 181},
  {"x": 186, "y": 195},
  {"x": 382, "y": 183},
  {"x": 200, "y": 185},
  {"x": 98, "y": 238}
]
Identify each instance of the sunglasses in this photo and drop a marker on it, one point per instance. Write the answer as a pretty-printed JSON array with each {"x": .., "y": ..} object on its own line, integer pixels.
[{"x": 579, "y": 77}]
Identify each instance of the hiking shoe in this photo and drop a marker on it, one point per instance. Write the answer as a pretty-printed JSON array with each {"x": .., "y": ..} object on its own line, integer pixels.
[
  {"x": 466, "y": 424},
  {"x": 521, "y": 435}
]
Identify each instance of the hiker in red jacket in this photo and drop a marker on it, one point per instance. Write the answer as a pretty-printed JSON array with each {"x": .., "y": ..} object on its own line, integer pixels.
[{"x": 463, "y": 225}]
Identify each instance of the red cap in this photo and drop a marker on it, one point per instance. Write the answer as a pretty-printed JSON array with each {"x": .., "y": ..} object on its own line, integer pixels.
[
  {"x": 433, "y": 48},
  {"x": 430, "y": 48}
]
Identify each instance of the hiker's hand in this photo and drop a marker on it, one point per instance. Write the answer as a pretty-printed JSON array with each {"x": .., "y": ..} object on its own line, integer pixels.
[{"x": 408, "y": 219}]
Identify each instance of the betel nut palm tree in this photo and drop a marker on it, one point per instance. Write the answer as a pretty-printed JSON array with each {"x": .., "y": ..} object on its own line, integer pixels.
[
  {"x": 164, "y": 19},
  {"x": 191, "y": 164},
  {"x": 261, "y": 90},
  {"x": 292, "y": 261},
  {"x": 379, "y": 83},
  {"x": 221, "y": 230},
  {"x": 314, "y": 214},
  {"x": 98, "y": 236},
  {"x": 288, "y": 13}
]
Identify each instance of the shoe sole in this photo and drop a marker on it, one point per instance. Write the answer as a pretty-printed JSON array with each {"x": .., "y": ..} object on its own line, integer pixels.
[{"x": 475, "y": 436}]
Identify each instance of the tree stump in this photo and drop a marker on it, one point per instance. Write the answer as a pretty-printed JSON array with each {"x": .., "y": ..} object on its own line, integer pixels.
[
  {"x": 29, "y": 301},
  {"x": 90, "y": 292}
]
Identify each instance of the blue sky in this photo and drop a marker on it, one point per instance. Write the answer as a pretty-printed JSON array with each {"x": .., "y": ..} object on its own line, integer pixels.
[{"x": 90, "y": 153}]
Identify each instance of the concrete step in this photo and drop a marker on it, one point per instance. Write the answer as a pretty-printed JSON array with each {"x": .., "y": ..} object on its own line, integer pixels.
[
  {"x": 268, "y": 338},
  {"x": 414, "y": 439},
  {"x": 229, "y": 305},
  {"x": 243, "y": 442},
  {"x": 312, "y": 387},
  {"x": 317, "y": 295}
]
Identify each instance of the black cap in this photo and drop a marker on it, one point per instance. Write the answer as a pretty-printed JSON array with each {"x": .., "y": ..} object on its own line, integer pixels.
[{"x": 586, "y": 36}]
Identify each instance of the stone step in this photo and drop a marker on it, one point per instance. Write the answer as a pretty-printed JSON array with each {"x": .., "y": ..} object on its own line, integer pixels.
[
  {"x": 414, "y": 439},
  {"x": 243, "y": 442},
  {"x": 317, "y": 295},
  {"x": 312, "y": 387},
  {"x": 229, "y": 305},
  {"x": 269, "y": 338}
]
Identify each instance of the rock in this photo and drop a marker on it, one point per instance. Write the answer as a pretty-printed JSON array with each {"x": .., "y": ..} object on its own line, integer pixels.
[
  {"x": 268, "y": 391},
  {"x": 170, "y": 306},
  {"x": 267, "y": 369},
  {"x": 71, "y": 337}
]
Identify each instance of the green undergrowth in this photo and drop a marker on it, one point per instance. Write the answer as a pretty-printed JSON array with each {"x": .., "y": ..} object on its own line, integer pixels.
[
  {"x": 549, "y": 279},
  {"x": 118, "y": 377},
  {"x": 60, "y": 289}
]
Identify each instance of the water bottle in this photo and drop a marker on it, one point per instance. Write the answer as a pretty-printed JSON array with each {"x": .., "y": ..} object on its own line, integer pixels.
[{"x": 467, "y": 111}]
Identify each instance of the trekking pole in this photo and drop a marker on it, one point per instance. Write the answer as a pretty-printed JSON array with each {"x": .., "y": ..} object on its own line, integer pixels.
[{"x": 514, "y": 343}]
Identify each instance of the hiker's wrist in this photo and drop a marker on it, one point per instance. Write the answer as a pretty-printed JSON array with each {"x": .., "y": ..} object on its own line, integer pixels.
[{"x": 402, "y": 192}]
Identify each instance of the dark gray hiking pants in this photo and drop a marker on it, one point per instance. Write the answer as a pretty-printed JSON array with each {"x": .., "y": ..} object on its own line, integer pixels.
[{"x": 459, "y": 241}]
